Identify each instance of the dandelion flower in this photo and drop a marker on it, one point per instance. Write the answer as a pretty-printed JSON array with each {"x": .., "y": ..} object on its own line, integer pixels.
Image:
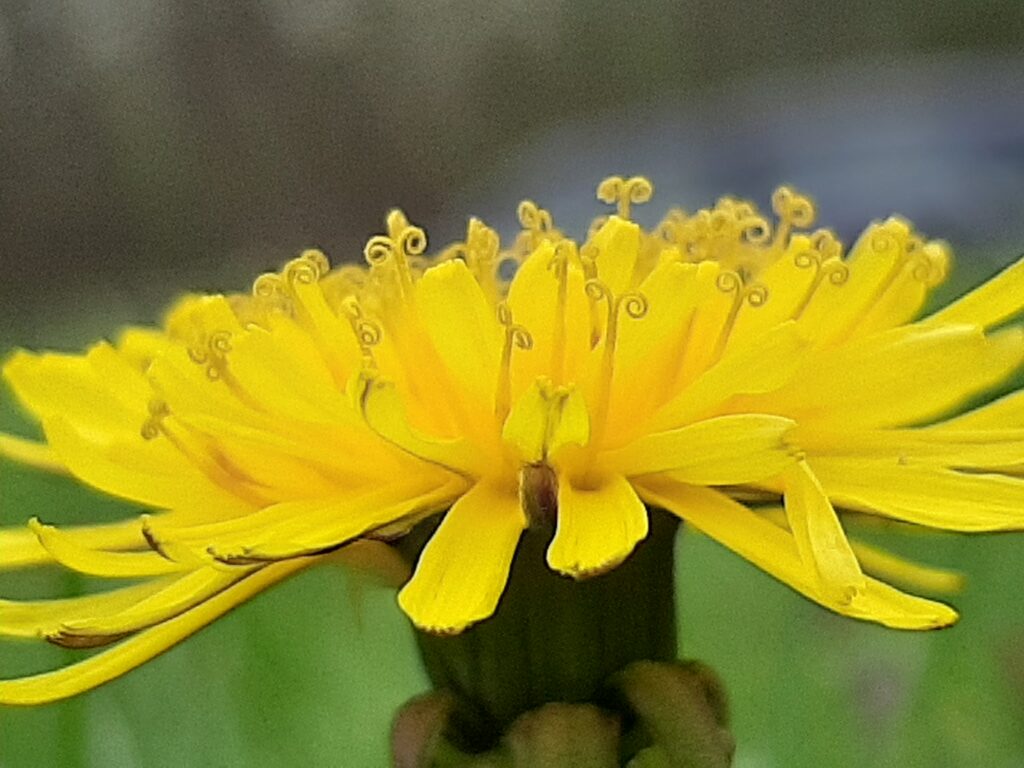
[{"x": 744, "y": 374}]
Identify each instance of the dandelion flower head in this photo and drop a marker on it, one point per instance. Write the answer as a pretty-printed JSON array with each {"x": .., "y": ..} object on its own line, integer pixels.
[{"x": 741, "y": 371}]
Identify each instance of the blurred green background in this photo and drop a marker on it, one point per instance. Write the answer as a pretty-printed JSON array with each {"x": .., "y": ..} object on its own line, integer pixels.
[{"x": 148, "y": 147}]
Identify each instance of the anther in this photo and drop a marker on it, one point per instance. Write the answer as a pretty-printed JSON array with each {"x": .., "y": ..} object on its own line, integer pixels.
[{"x": 623, "y": 193}]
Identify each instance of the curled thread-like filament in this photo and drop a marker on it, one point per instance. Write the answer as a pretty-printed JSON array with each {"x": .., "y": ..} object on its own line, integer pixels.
[
  {"x": 559, "y": 266},
  {"x": 635, "y": 305},
  {"x": 826, "y": 267},
  {"x": 399, "y": 248},
  {"x": 516, "y": 337},
  {"x": 793, "y": 210},
  {"x": 536, "y": 222},
  {"x": 624, "y": 193},
  {"x": 277, "y": 290},
  {"x": 752, "y": 294},
  {"x": 213, "y": 356},
  {"x": 153, "y": 425},
  {"x": 307, "y": 269},
  {"x": 368, "y": 334}
]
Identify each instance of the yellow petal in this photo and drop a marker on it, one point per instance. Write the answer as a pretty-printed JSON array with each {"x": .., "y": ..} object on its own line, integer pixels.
[
  {"x": 923, "y": 494},
  {"x": 750, "y": 370},
  {"x": 346, "y": 454},
  {"x": 70, "y": 386},
  {"x": 774, "y": 550},
  {"x": 140, "y": 346},
  {"x": 617, "y": 244},
  {"x": 570, "y": 423},
  {"x": 1005, "y": 413},
  {"x": 385, "y": 413},
  {"x": 154, "y": 607},
  {"x": 648, "y": 351},
  {"x": 31, "y": 454},
  {"x": 339, "y": 524},
  {"x": 149, "y": 472},
  {"x": 39, "y": 618},
  {"x": 560, "y": 333},
  {"x": 336, "y": 341},
  {"x": 463, "y": 327},
  {"x": 942, "y": 445},
  {"x": 989, "y": 304},
  {"x": 903, "y": 376},
  {"x": 296, "y": 528},
  {"x": 886, "y": 565},
  {"x": 187, "y": 390},
  {"x": 65, "y": 550},
  {"x": 914, "y": 575},
  {"x": 20, "y": 547},
  {"x": 787, "y": 280},
  {"x": 710, "y": 321},
  {"x": 463, "y": 569},
  {"x": 902, "y": 300},
  {"x": 819, "y": 536},
  {"x": 526, "y": 426},
  {"x": 718, "y": 451},
  {"x": 140, "y": 648},
  {"x": 597, "y": 528},
  {"x": 196, "y": 317},
  {"x": 283, "y": 371},
  {"x": 836, "y": 307}
]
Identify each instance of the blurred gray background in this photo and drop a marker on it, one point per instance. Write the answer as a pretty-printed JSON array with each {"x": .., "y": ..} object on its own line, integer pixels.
[{"x": 147, "y": 148}]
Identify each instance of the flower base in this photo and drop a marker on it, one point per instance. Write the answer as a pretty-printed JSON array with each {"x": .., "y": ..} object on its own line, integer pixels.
[
  {"x": 655, "y": 715},
  {"x": 554, "y": 641}
]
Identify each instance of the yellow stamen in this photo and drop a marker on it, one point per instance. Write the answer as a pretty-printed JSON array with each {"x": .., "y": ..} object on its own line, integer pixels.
[
  {"x": 635, "y": 305},
  {"x": 825, "y": 259},
  {"x": 793, "y": 210},
  {"x": 515, "y": 336},
  {"x": 754, "y": 294},
  {"x": 212, "y": 355},
  {"x": 368, "y": 334},
  {"x": 153, "y": 426},
  {"x": 481, "y": 253},
  {"x": 623, "y": 193},
  {"x": 403, "y": 242},
  {"x": 275, "y": 291},
  {"x": 564, "y": 251},
  {"x": 536, "y": 223}
]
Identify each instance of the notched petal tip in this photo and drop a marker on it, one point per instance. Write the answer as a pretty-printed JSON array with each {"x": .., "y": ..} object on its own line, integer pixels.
[{"x": 598, "y": 527}]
